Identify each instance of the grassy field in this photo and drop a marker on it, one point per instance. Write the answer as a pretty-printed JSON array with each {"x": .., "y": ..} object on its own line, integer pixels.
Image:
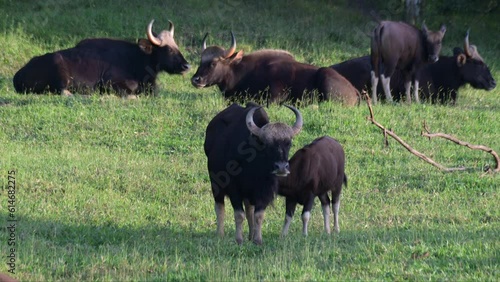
[{"x": 117, "y": 190}]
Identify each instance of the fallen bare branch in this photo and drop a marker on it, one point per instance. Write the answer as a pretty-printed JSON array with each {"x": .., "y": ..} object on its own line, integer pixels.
[
  {"x": 463, "y": 143},
  {"x": 404, "y": 144}
]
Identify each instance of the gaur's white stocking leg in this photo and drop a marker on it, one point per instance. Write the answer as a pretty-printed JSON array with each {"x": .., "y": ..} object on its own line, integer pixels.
[
  {"x": 65, "y": 92},
  {"x": 407, "y": 91},
  {"x": 249, "y": 211},
  {"x": 415, "y": 91},
  {"x": 386, "y": 84},
  {"x": 239, "y": 217},
  {"x": 305, "y": 222},
  {"x": 306, "y": 212},
  {"x": 286, "y": 226},
  {"x": 374, "y": 87},
  {"x": 336, "y": 208},
  {"x": 259, "y": 219},
  {"x": 290, "y": 210},
  {"x": 220, "y": 213},
  {"x": 326, "y": 217}
]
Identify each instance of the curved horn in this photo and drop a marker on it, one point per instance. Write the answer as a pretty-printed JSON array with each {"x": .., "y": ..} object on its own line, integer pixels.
[
  {"x": 298, "y": 120},
  {"x": 171, "y": 28},
  {"x": 151, "y": 37},
  {"x": 254, "y": 129},
  {"x": 466, "y": 45},
  {"x": 204, "y": 44},
  {"x": 231, "y": 49}
]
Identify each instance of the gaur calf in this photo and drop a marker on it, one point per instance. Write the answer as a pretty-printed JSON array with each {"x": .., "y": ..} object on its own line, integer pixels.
[{"x": 315, "y": 170}]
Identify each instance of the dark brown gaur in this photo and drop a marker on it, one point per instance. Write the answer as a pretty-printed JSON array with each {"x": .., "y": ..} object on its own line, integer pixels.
[
  {"x": 316, "y": 170},
  {"x": 442, "y": 79},
  {"x": 246, "y": 155},
  {"x": 272, "y": 75},
  {"x": 398, "y": 45},
  {"x": 103, "y": 64},
  {"x": 439, "y": 81}
]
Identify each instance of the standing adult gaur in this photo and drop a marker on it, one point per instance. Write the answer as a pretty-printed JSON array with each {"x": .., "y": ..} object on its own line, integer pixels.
[
  {"x": 246, "y": 155},
  {"x": 439, "y": 81},
  {"x": 398, "y": 45}
]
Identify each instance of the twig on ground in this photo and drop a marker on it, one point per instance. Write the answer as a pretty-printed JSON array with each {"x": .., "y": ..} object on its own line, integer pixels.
[
  {"x": 430, "y": 135},
  {"x": 404, "y": 144}
]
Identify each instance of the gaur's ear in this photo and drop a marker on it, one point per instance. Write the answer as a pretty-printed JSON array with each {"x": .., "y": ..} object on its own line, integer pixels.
[
  {"x": 442, "y": 29},
  {"x": 145, "y": 46},
  {"x": 424, "y": 29},
  {"x": 461, "y": 60},
  {"x": 236, "y": 58}
]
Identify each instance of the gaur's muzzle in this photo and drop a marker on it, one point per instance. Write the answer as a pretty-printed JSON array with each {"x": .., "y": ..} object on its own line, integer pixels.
[
  {"x": 196, "y": 81},
  {"x": 281, "y": 169}
]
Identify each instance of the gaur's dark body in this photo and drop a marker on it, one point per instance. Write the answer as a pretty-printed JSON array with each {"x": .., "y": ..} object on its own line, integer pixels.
[
  {"x": 244, "y": 162},
  {"x": 397, "y": 45},
  {"x": 315, "y": 170},
  {"x": 272, "y": 75},
  {"x": 357, "y": 71},
  {"x": 102, "y": 64},
  {"x": 439, "y": 82}
]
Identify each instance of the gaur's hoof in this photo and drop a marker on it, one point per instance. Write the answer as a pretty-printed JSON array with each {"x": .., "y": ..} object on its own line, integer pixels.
[{"x": 257, "y": 241}]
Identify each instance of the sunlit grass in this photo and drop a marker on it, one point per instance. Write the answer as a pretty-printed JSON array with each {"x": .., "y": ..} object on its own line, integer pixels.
[{"x": 113, "y": 189}]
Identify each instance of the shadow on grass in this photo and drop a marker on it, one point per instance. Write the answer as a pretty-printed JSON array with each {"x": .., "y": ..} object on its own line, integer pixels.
[{"x": 45, "y": 240}]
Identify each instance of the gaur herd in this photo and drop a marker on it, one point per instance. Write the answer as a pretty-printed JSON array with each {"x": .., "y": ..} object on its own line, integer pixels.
[{"x": 248, "y": 155}]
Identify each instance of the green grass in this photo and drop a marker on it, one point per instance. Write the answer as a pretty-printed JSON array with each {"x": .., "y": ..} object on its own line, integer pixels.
[{"x": 112, "y": 189}]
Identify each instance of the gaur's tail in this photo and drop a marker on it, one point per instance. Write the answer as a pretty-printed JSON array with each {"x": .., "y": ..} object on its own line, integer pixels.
[
  {"x": 377, "y": 37},
  {"x": 345, "y": 180},
  {"x": 375, "y": 50}
]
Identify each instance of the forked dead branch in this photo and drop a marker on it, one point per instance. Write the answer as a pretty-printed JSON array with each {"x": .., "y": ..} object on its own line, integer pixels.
[{"x": 431, "y": 135}]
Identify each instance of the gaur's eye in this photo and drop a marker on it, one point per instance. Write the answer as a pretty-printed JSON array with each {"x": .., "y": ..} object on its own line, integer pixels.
[{"x": 213, "y": 64}]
